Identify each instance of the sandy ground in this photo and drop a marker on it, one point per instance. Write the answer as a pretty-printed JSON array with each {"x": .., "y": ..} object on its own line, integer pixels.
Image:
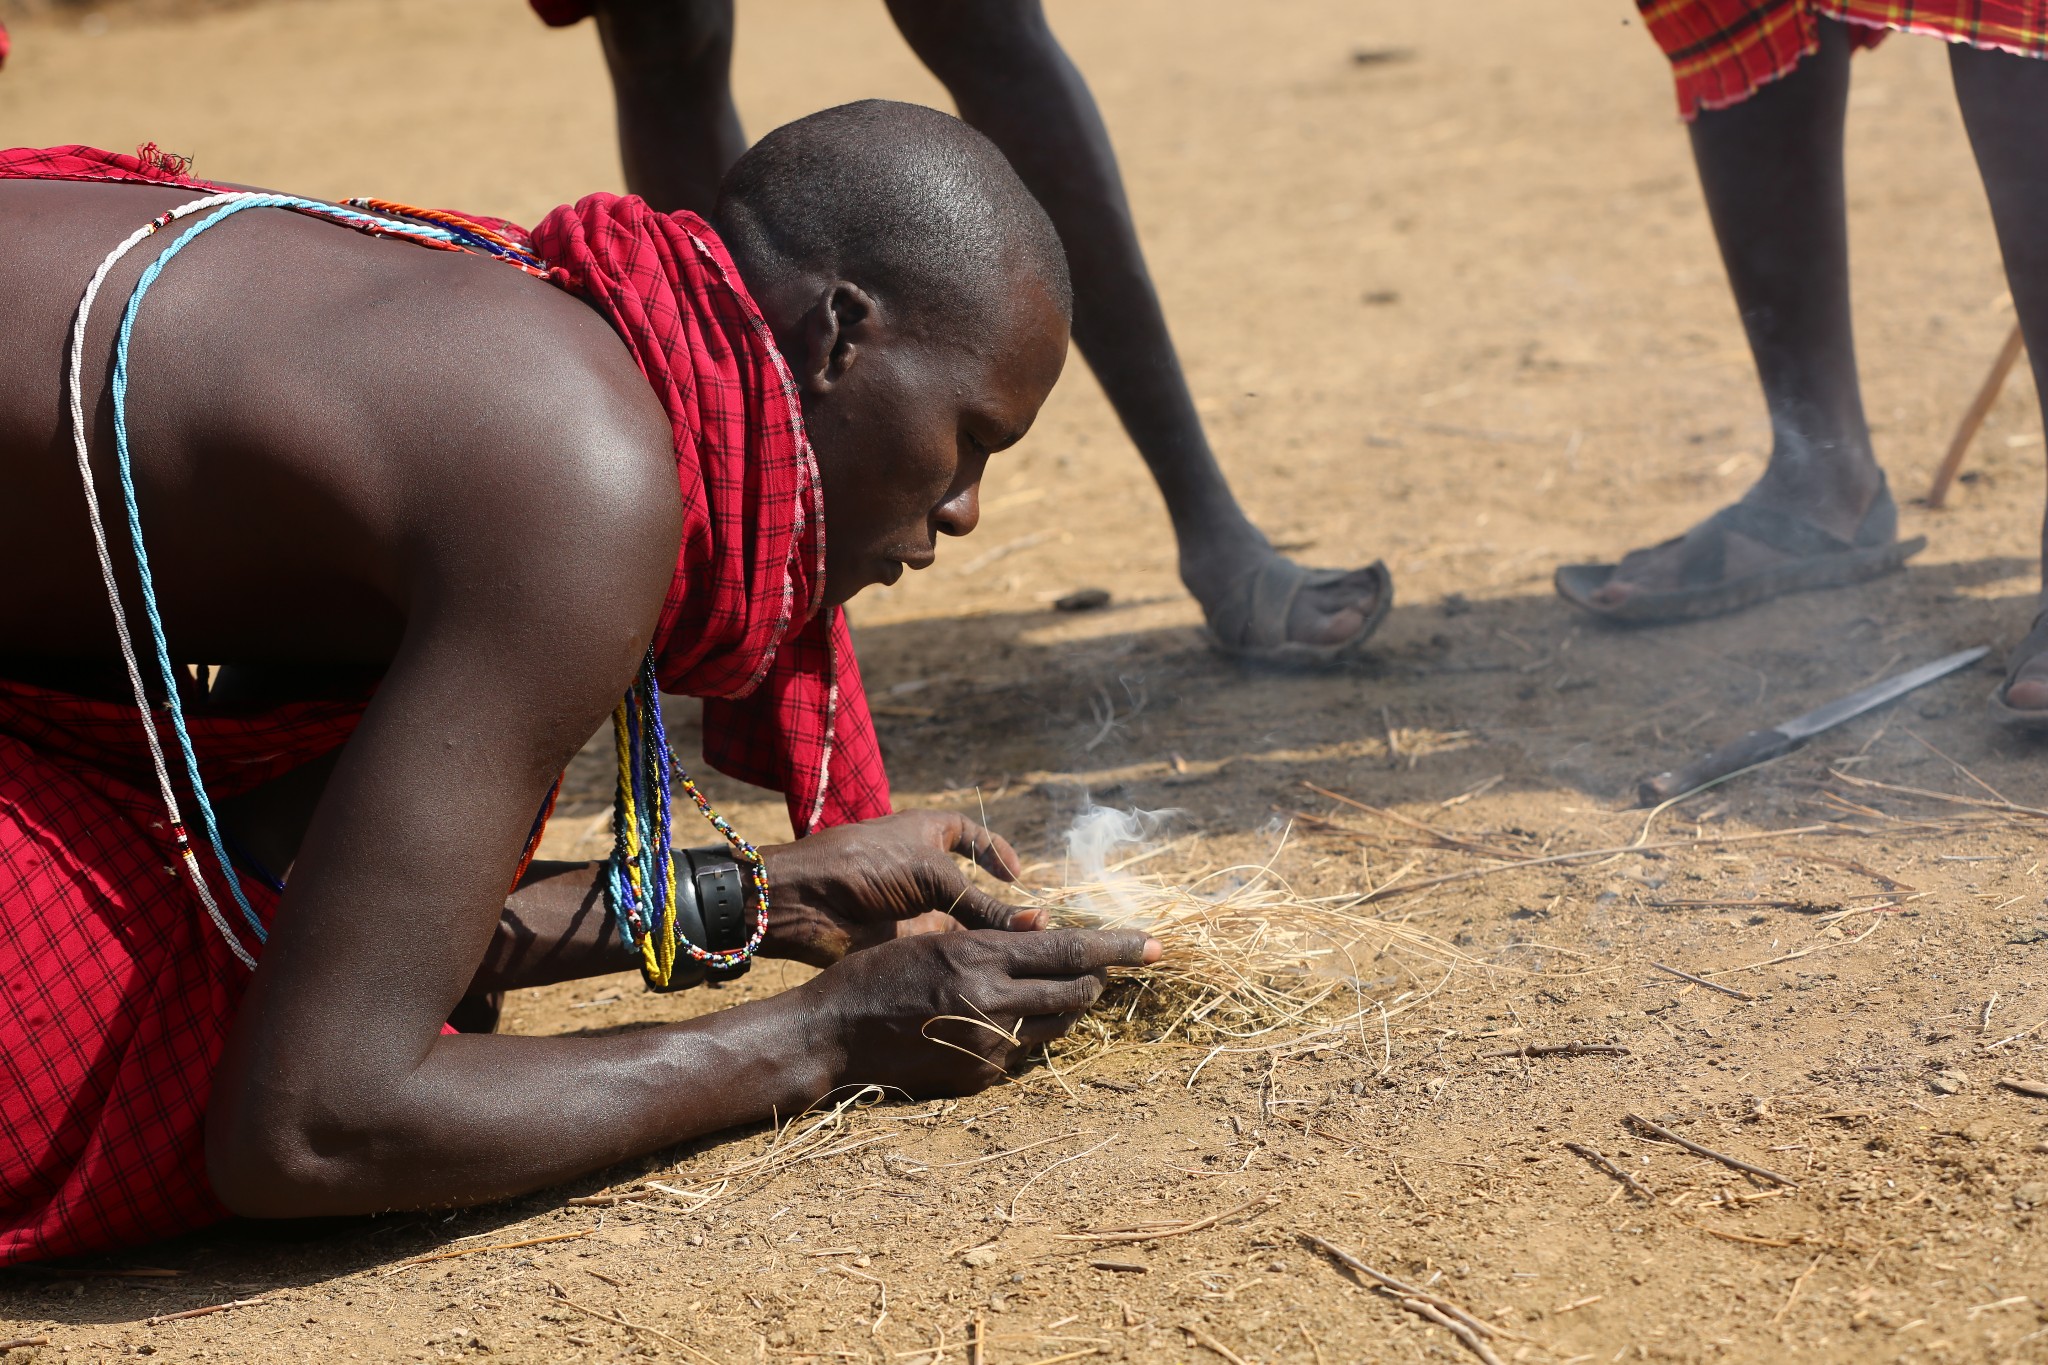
[{"x": 1458, "y": 308}]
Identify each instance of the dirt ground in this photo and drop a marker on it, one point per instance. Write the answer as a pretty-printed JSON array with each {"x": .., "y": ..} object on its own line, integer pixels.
[{"x": 1444, "y": 287}]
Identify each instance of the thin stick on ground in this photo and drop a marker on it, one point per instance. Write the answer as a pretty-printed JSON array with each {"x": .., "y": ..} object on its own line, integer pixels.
[
  {"x": 1400, "y": 1289},
  {"x": 1732, "y": 1162},
  {"x": 1209, "y": 1343},
  {"x": 207, "y": 1311},
  {"x": 1456, "y": 1328},
  {"x": 1560, "y": 1050},
  {"x": 1797, "y": 1285},
  {"x": 478, "y": 1251},
  {"x": 1171, "y": 1230},
  {"x": 1622, "y": 850},
  {"x": 1606, "y": 1167},
  {"x": 620, "y": 1320},
  {"x": 2037, "y": 1089},
  {"x": 17, "y": 1343},
  {"x": 1702, "y": 981}
]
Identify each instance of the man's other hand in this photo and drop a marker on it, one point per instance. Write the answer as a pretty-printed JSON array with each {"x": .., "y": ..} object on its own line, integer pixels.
[{"x": 855, "y": 886}]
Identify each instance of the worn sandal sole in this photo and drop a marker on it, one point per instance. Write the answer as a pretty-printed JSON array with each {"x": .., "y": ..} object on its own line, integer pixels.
[{"x": 1576, "y": 584}]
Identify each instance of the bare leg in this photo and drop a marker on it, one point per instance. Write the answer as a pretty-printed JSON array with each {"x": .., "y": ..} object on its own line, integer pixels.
[
  {"x": 671, "y": 65},
  {"x": 2004, "y": 101},
  {"x": 1011, "y": 79},
  {"x": 1771, "y": 169}
]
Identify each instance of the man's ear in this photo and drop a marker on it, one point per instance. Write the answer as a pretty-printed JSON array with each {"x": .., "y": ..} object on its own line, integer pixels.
[{"x": 840, "y": 323}]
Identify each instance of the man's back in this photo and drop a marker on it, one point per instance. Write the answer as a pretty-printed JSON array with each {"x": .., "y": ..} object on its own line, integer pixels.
[{"x": 314, "y": 415}]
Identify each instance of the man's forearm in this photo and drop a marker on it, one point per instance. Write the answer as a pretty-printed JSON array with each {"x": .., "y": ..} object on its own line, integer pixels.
[{"x": 483, "y": 1118}]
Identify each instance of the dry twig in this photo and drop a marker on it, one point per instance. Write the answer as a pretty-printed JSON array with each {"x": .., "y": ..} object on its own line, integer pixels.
[
  {"x": 621, "y": 1320},
  {"x": 1606, "y": 1167},
  {"x": 207, "y": 1311},
  {"x": 1735, "y": 1163},
  {"x": 1560, "y": 1050},
  {"x": 1702, "y": 981},
  {"x": 1209, "y": 1343},
  {"x": 477, "y": 1251},
  {"x": 1153, "y": 1234},
  {"x": 1401, "y": 1290}
]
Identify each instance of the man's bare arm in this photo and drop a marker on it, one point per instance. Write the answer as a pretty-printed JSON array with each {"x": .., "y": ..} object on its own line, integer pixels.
[{"x": 338, "y": 1093}]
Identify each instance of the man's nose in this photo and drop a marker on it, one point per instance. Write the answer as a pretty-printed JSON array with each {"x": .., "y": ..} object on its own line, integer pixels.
[{"x": 961, "y": 513}]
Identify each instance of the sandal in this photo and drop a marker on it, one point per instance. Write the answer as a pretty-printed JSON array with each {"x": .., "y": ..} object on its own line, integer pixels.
[
  {"x": 1251, "y": 623},
  {"x": 1819, "y": 559},
  {"x": 2004, "y": 713}
]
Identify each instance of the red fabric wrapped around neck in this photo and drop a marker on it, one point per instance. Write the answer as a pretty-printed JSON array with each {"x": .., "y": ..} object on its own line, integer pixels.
[{"x": 743, "y": 626}]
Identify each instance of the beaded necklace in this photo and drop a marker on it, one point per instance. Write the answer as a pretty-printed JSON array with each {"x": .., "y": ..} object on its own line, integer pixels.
[{"x": 639, "y": 880}]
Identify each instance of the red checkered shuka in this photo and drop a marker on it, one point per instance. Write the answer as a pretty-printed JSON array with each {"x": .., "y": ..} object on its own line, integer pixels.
[
  {"x": 118, "y": 992},
  {"x": 1722, "y": 50}
]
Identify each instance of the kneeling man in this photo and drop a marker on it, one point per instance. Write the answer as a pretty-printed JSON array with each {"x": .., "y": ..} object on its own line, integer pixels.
[{"x": 426, "y": 518}]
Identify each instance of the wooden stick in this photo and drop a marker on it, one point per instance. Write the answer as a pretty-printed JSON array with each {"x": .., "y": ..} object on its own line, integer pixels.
[
  {"x": 974, "y": 1348},
  {"x": 204, "y": 1312},
  {"x": 1153, "y": 1235},
  {"x": 1403, "y": 1291},
  {"x": 1606, "y": 1167},
  {"x": 1797, "y": 1285},
  {"x": 621, "y": 1320},
  {"x": 1456, "y": 1328},
  {"x": 1702, "y": 981},
  {"x": 2019, "y": 1087},
  {"x": 13, "y": 1343},
  {"x": 1735, "y": 1163},
  {"x": 1407, "y": 888},
  {"x": 1204, "y": 1340},
  {"x": 1448, "y": 840},
  {"x": 1561, "y": 1050},
  {"x": 475, "y": 1251},
  {"x": 1973, "y": 418},
  {"x": 1071, "y": 1355}
]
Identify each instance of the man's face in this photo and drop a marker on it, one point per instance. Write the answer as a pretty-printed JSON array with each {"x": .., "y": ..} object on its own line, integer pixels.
[{"x": 904, "y": 429}]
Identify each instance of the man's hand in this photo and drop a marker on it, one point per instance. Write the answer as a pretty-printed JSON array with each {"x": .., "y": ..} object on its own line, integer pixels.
[
  {"x": 859, "y": 885},
  {"x": 949, "y": 1014}
]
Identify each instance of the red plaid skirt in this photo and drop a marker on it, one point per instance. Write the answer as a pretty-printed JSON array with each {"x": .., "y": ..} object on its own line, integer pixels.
[
  {"x": 1722, "y": 50},
  {"x": 118, "y": 992}
]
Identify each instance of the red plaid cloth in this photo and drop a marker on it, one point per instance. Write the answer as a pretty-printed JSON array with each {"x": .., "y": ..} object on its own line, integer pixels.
[
  {"x": 742, "y": 624},
  {"x": 1722, "y": 50},
  {"x": 118, "y": 992}
]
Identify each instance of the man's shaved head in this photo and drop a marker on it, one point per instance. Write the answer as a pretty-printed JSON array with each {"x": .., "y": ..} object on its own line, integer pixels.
[{"x": 910, "y": 204}]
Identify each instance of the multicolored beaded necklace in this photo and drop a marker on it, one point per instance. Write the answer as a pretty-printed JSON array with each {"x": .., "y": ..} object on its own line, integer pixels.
[{"x": 639, "y": 880}]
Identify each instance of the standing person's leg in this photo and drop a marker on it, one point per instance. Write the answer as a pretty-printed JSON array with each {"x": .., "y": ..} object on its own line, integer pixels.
[
  {"x": 2004, "y": 101},
  {"x": 1771, "y": 170},
  {"x": 1011, "y": 79},
  {"x": 671, "y": 67}
]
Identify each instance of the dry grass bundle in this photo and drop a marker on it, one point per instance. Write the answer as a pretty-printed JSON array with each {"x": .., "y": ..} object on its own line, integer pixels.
[{"x": 1247, "y": 959}]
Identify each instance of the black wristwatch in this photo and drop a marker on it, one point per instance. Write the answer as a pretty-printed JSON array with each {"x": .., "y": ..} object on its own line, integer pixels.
[{"x": 718, "y": 890}]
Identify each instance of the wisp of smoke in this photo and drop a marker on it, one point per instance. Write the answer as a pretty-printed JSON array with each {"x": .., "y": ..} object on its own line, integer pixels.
[{"x": 1097, "y": 837}]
